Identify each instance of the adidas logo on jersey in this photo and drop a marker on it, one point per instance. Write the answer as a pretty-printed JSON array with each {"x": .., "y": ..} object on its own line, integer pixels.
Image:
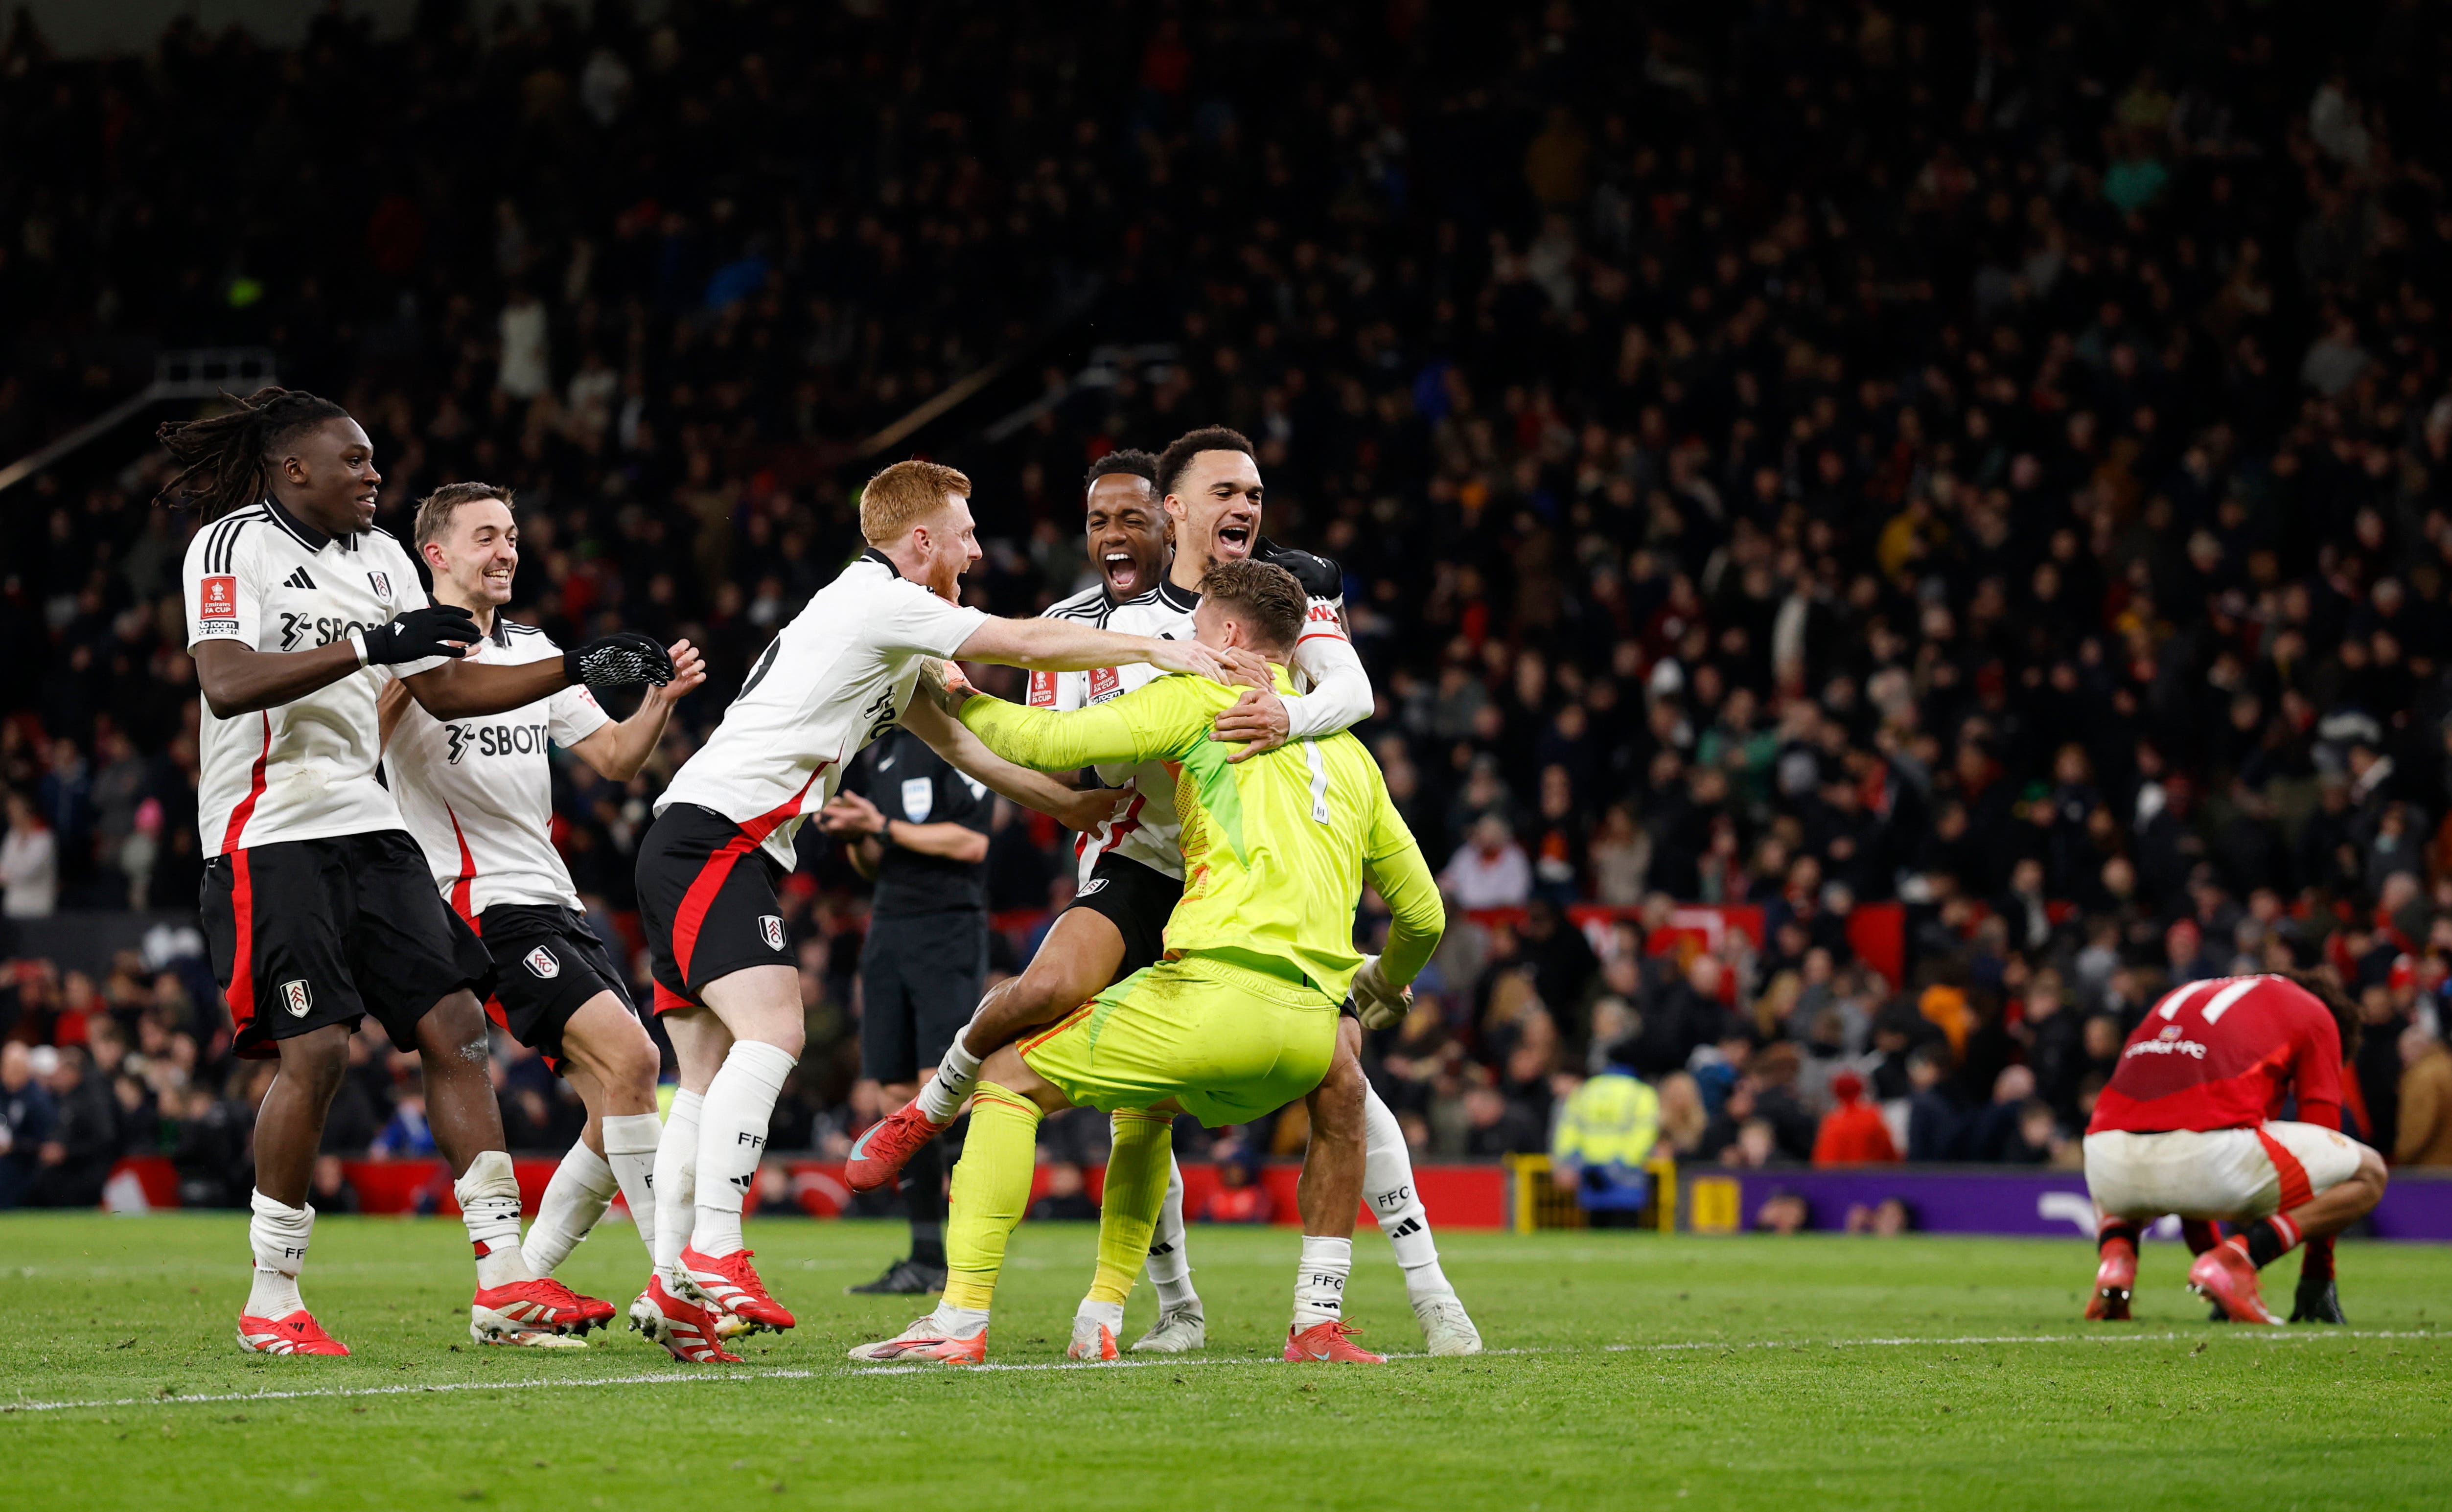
[{"x": 299, "y": 580}]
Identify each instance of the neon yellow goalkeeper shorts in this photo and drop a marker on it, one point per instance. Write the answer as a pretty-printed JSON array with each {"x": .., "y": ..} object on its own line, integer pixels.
[{"x": 1227, "y": 1043}]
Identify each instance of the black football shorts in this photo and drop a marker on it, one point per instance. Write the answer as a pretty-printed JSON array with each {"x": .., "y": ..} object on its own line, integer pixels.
[
  {"x": 706, "y": 899},
  {"x": 548, "y": 965},
  {"x": 309, "y": 932}
]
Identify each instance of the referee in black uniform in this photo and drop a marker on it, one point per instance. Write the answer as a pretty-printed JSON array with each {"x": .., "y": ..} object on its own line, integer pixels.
[{"x": 920, "y": 830}]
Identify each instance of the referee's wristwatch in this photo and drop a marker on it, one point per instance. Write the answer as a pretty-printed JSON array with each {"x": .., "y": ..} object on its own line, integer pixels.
[{"x": 885, "y": 831}]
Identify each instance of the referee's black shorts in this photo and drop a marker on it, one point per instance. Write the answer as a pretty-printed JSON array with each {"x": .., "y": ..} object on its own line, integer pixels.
[
  {"x": 1138, "y": 900},
  {"x": 548, "y": 963},
  {"x": 309, "y": 932},
  {"x": 920, "y": 977}
]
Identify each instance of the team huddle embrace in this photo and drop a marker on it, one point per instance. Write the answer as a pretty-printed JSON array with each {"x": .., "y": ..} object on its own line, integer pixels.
[{"x": 377, "y": 805}]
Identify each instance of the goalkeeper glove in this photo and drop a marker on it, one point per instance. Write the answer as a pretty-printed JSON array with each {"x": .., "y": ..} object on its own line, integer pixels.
[
  {"x": 1320, "y": 576},
  {"x": 416, "y": 634},
  {"x": 1382, "y": 1004},
  {"x": 618, "y": 660}
]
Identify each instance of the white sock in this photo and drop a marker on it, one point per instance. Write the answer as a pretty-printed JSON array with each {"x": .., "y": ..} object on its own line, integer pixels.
[
  {"x": 1110, "y": 1313},
  {"x": 1388, "y": 1188},
  {"x": 959, "y": 1322},
  {"x": 1319, "y": 1283},
  {"x": 955, "y": 1075},
  {"x": 489, "y": 1204},
  {"x": 278, "y": 1233},
  {"x": 632, "y": 1142},
  {"x": 1168, "y": 1267},
  {"x": 675, "y": 1181},
  {"x": 573, "y": 1203},
  {"x": 731, "y": 1137}
]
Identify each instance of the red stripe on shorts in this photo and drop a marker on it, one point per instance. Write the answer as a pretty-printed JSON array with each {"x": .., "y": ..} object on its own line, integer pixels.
[
  {"x": 691, "y": 916},
  {"x": 2295, "y": 1189},
  {"x": 241, "y": 982}
]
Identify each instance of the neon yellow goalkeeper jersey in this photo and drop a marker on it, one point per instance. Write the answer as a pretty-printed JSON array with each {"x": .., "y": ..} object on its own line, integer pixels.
[{"x": 1276, "y": 848}]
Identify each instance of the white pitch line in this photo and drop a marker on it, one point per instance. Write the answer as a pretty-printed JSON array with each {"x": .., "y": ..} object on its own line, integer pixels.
[{"x": 1176, "y": 1361}]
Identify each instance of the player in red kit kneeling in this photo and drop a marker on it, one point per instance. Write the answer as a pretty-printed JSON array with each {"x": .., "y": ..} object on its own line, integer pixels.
[{"x": 2190, "y": 1125}]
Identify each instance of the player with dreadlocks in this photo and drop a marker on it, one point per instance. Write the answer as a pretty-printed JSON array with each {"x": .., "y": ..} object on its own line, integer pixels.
[{"x": 317, "y": 904}]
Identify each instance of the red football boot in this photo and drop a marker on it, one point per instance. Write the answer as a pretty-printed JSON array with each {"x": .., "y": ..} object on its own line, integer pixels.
[
  {"x": 685, "y": 1329},
  {"x": 2225, "y": 1274},
  {"x": 296, "y": 1334},
  {"x": 1326, "y": 1343},
  {"x": 2113, "y": 1282},
  {"x": 731, "y": 1285},
  {"x": 533, "y": 1311},
  {"x": 879, "y": 1156}
]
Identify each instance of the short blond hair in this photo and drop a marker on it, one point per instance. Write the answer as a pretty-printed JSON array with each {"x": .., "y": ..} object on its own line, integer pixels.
[{"x": 903, "y": 494}]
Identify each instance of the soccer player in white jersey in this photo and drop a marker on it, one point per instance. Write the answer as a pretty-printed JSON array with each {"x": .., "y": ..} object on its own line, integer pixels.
[
  {"x": 1208, "y": 484},
  {"x": 478, "y": 795},
  {"x": 835, "y": 679},
  {"x": 317, "y": 908}
]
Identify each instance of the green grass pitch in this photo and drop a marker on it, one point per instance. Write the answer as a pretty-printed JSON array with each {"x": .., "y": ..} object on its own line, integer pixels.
[{"x": 1626, "y": 1370}]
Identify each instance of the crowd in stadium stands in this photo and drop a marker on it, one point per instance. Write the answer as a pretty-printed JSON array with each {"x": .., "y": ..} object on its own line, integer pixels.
[{"x": 1998, "y": 466}]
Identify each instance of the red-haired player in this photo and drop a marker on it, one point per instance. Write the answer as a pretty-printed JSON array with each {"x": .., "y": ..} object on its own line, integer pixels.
[{"x": 2188, "y": 1126}]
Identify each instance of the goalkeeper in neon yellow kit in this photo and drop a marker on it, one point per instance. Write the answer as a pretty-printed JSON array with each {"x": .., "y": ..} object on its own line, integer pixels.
[{"x": 1239, "y": 1018}]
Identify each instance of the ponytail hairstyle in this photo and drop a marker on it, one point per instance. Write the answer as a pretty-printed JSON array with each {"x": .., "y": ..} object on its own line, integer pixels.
[{"x": 224, "y": 460}]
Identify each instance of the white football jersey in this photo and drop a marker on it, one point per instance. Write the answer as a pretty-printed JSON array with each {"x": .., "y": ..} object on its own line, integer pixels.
[
  {"x": 478, "y": 794},
  {"x": 304, "y": 771},
  {"x": 835, "y": 679},
  {"x": 1145, "y": 829}
]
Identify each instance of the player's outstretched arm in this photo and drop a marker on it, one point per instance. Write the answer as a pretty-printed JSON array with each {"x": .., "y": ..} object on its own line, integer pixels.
[
  {"x": 618, "y": 751},
  {"x": 1340, "y": 697},
  {"x": 1067, "y": 645},
  {"x": 237, "y": 678},
  {"x": 459, "y": 690},
  {"x": 1161, "y": 718},
  {"x": 1079, "y": 808}
]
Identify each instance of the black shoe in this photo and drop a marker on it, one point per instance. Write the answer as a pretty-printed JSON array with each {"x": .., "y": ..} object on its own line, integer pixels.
[
  {"x": 904, "y": 1278},
  {"x": 2318, "y": 1302}
]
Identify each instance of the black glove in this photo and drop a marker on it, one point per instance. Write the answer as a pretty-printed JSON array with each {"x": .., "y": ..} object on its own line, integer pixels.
[
  {"x": 618, "y": 660},
  {"x": 420, "y": 633},
  {"x": 1319, "y": 576}
]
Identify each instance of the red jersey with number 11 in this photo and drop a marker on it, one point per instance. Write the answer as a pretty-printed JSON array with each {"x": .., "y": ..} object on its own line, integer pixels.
[{"x": 2220, "y": 1054}]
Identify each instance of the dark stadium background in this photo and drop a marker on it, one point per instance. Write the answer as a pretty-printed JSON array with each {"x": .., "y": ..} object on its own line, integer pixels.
[{"x": 1956, "y": 497}]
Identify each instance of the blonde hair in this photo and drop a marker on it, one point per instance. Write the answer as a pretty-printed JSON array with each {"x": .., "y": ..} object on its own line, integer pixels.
[{"x": 903, "y": 496}]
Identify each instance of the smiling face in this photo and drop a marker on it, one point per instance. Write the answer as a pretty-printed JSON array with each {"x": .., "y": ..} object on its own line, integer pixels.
[
  {"x": 1125, "y": 531},
  {"x": 476, "y": 554},
  {"x": 326, "y": 476},
  {"x": 1216, "y": 510}
]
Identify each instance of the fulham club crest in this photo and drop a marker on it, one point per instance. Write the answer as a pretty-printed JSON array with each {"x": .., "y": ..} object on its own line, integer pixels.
[
  {"x": 772, "y": 927},
  {"x": 381, "y": 581},
  {"x": 540, "y": 962},
  {"x": 295, "y": 996}
]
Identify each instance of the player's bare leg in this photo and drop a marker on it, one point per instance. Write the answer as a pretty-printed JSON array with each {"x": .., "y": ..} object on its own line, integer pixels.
[
  {"x": 1328, "y": 1195},
  {"x": 759, "y": 1009},
  {"x": 511, "y": 1305},
  {"x": 2226, "y": 1273},
  {"x": 610, "y": 1062},
  {"x": 289, "y": 1131},
  {"x": 1074, "y": 963}
]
